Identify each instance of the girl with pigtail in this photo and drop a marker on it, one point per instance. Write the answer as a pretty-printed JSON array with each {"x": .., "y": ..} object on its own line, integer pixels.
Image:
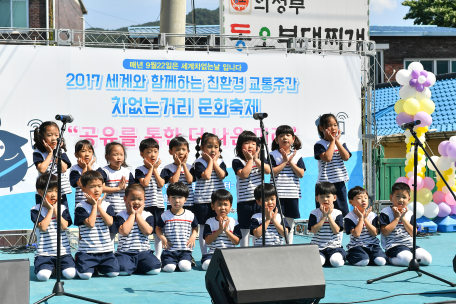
[{"x": 209, "y": 170}]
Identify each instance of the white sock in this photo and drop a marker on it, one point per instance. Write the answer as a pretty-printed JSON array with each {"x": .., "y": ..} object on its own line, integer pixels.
[
  {"x": 245, "y": 241},
  {"x": 154, "y": 271},
  {"x": 169, "y": 268},
  {"x": 205, "y": 265},
  {"x": 291, "y": 223},
  {"x": 322, "y": 259},
  {"x": 336, "y": 260},
  {"x": 402, "y": 259},
  {"x": 44, "y": 275},
  {"x": 112, "y": 274},
  {"x": 158, "y": 246},
  {"x": 424, "y": 256},
  {"x": 185, "y": 265},
  {"x": 69, "y": 273},
  {"x": 124, "y": 273},
  {"x": 379, "y": 261},
  {"x": 362, "y": 263},
  {"x": 85, "y": 275},
  {"x": 202, "y": 242}
]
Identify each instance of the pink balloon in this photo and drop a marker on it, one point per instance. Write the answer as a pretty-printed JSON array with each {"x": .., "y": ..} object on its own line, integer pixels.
[
  {"x": 402, "y": 179},
  {"x": 444, "y": 210},
  {"x": 438, "y": 197},
  {"x": 426, "y": 119},
  {"x": 449, "y": 199},
  {"x": 429, "y": 183},
  {"x": 419, "y": 185},
  {"x": 453, "y": 209},
  {"x": 451, "y": 149},
  {"x": 403, "y": 117},
  {"x": 443, "y": 147}
]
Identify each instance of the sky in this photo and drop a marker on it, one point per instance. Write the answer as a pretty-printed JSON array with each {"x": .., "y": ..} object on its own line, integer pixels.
[{"x": 113, "y": 14}]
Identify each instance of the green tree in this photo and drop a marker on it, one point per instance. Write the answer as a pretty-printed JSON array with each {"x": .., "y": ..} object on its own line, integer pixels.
[{"x": 432, "y": 12}]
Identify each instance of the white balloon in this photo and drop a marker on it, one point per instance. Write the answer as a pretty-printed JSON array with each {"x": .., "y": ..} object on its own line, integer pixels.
[
  {"x": 451, "y": 182},
  {"x": 422, "y": 138},
  {"x": 407, "y": 92},
  {"x": 409, "y": 174},
  {"x": 403, "y": 77},
  {"x": 422, "y": 163},
  {"x": 453, "y": 139},
  {"x": 407, "y": 133},
  {"x": 431, "y": 210},
  {"x": 443, "y": 163},
  {"x": 426, "y": 94},
  {"x": 452, "y": 159},
  {"x": 421, "y": 79},
  {"x": 445, "y": 189},
  {"x": 409, "y": 155},
  {"x": 419, "y": 209},
  {"x": 431, "y": 77},
  {"x": 429, "y": 164},
  {"x": 415, "y": 66}
]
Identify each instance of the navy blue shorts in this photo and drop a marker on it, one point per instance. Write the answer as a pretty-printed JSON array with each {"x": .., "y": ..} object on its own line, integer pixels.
[
  {"x": 137, "y": 262},
  {"x": 341, "y": 202},
  {"x": 189, "y": 208},
  {"x": 328, "y": 252},
  {"x": 174, "y": 257},
  {"x": 206, "y": 256},
  {"x": 394, "y": 251},
  {"x": 245, "y": 211},
  {"x": 290, "y": 207},
  {"x": 64, "y": 200},
  {"x": 105, "y": 262},
  {"x": 48, "y": 262},
  {"x": 203, "y": 212},
  {"x": 370, "y": 253},
  {"x": 156, "y": 212}
]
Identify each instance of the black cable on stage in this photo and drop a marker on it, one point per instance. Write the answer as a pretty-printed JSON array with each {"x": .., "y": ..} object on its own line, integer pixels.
[{"x": 396, "y": 295}]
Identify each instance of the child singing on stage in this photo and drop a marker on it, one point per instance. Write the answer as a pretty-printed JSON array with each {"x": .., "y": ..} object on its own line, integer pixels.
[{"x": 85, "y": 155}]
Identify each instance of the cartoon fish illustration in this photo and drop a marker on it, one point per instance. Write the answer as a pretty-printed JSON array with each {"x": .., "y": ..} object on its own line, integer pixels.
[{"x": 13, "y": 163}]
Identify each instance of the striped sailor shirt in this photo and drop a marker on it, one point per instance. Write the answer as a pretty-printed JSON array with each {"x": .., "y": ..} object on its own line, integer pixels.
[
  {"x": 399, "y": 236},
  {"x": 222, "y": 241},
  {"x": 112, "y": 179},
  {"x": 288, "y": 184},
  {"x": 245, "y": 187},
  {"x": 333, "y": 171},
  {"x": 365, "y": 239},
  {"x": 75, "y": 175},
  {"x": 325, "y": 238},
  {"x": 177, "y": 228},
  {"x": 154, "y": 194},
  {"x": 203, "y": 187},
  {"x": 39, "y": 157},
  {"x": 135, "y": 241},
  {"x": 168, "y": 172},
  {"x": 272, "y": 236}
]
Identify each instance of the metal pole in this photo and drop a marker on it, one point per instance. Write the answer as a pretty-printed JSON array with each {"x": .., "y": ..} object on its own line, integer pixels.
[
  {"x": 263, "y": 210},
  {"x": 172, "y": 21},
  {"x": 47, "y": 22}
]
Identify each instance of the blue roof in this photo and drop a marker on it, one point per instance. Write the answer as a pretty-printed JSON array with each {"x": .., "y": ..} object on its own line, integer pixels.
[
  {"x": 153, "y": 31},
  {"x": 443, "y": 119},
  {"x": 411, "y": 30}
]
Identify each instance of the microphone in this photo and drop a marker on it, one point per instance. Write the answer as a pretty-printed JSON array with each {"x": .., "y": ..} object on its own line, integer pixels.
[
  {"x": 64, "y": 118},
  {"x": 260, "y": 116},
  {"x": 410, "y": 125}
]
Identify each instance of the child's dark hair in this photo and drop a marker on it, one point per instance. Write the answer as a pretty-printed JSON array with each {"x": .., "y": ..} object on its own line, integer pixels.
[
  {"x": 355, "y": 191},
  {"x": 325, "y": 188},
  {"x": 400, "y": 187},
  {"x": 177, "y": 142},
  {"x": 178, "y": 189},
  {"x": 268, "y": 192},
  {"x": 202, "y": 141},
  {"x": 89, "y": 176},
  {"x": 42, "y": 181},
  {"x": 83, "y": 144},
  {"x": 286, "y": 130},
  {"x": 147, "y": 144},
  {"x": 323, "y": 123},
  {"x": 38, "y": 136},
  {"x": 110, "y": 146},
  {"x": 244, "y": 137},
  {"x": 221, "y": 195},
  {"x": 134, "y": 187}
]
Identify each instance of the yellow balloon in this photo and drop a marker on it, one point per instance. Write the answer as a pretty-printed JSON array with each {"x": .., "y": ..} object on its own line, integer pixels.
[
  {"x": 421, "y": 174},
  {"x": 411, "y": 106},
  {"x": 408, "y": 168},
  {"x": 424, "y": 196},
  {"x": 423, "y": 170},
  {"x": 399, "y": 106},
  {"x": 448, "y": 172},
  {"x": 409, "y": 146},
  {"x": 440, "y": 184},
  {"x": 422, "y": 130},
  {"x": 420, "y": 150},
  {"x": 453, "y": 188},
  {"x": 427, "y": 105}
]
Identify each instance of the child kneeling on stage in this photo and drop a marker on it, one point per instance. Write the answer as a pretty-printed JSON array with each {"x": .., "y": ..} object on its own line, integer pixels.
[
  {"x": 397, "y": 230},
  {"x": 177, "y": 228},
  {"x": 46, "y": 234},
  {"x": 220, "y": 231},
  {"x": 134, "y": 226},
  {"x": 327, "y": 224},
  {"x": 94, "y": 216},
  {"x": 363, "y": 227},
  {"x": 273, "y": 223}
]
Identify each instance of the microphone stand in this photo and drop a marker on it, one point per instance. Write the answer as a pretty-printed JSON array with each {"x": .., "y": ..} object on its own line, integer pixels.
[
  {"x": 58, "y": 287},
  {"x": 414, "y": 263},
  {"x": 264, "y": 145}
]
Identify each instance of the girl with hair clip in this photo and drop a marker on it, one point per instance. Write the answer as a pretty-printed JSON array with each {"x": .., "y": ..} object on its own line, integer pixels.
[
  {"x": 85, "y": 156},
  {"x": 247, "y": 167},
  {"x": 45, "y": 138},
  {"x": 209, "y": 170},
  {"x": 331, "y": 154},
  {"x": 288, "y": 167}
]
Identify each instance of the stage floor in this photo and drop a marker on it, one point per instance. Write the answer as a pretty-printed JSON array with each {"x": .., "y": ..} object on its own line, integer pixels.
[{"x": 344, "y": 284}]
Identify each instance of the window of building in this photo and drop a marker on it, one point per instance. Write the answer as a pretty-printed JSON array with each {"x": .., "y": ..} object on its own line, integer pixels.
[
  {"x": 379, "y": 66},
  {"x": 436, "y": 66},
  {"x": 13, "y": 13}
]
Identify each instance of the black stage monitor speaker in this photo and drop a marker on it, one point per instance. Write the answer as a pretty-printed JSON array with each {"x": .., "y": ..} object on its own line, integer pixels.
[
  {"x": 14, "y": 281},
  {"x": 271, "y": 274}
]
